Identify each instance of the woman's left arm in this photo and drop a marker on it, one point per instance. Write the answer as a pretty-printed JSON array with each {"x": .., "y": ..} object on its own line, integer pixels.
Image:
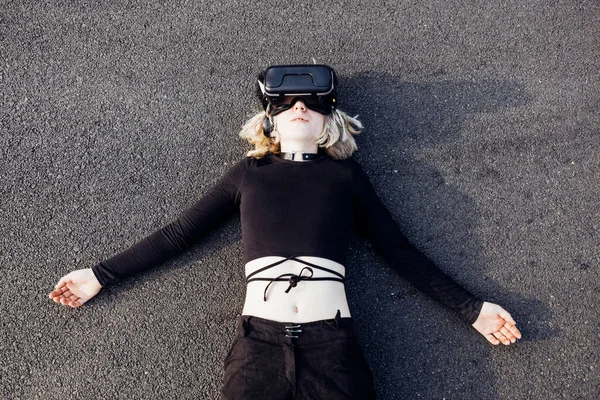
[{"x": 375, "y": 221}]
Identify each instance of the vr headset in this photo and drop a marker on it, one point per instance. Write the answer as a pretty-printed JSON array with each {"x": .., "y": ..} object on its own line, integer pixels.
[{"x": 280, "y": 86}]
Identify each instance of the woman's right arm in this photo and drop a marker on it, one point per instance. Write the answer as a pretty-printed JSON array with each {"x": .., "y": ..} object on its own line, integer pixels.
[{"x": 168, "y": 241}]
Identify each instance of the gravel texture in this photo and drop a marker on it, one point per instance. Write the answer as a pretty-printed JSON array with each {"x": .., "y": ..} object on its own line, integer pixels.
[{"x": 482, "y": 138}]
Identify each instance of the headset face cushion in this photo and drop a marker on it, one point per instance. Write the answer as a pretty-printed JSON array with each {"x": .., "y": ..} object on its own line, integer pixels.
[{"x": 314, "y": 103}]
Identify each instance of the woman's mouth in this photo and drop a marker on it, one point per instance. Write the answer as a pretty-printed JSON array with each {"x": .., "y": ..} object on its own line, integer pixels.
[{"x": 299, "y": 119}]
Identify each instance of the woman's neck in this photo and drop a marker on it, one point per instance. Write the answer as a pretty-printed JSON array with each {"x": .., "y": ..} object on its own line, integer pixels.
[{"x": 299, "y": 147}]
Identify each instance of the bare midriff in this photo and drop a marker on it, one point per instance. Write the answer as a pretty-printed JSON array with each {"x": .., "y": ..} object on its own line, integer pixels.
[{"x": 310, "y": 300}]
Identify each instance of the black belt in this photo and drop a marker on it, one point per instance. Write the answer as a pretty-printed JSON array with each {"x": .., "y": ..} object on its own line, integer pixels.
[{"x": 293, "y": 279}]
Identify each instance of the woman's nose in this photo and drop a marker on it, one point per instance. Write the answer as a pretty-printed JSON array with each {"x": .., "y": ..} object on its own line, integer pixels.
[{"x": 299, "y": 105}]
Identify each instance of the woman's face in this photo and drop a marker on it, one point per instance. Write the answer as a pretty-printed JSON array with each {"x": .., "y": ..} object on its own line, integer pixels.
[{"x": 299, "y": 123}]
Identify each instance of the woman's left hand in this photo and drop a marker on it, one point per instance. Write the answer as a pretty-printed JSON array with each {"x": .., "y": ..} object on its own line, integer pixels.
[{"x": 496, "y": 325}]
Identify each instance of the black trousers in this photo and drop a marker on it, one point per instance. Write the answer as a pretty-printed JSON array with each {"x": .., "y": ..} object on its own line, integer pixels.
[{"x": 272, "y": 360}]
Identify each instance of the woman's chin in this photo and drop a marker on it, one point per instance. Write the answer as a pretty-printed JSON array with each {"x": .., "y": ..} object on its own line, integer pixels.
[{"x": 299, "y": 134}]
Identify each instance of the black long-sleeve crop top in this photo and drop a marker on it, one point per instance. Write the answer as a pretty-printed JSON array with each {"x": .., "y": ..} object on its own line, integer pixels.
[{"x": 295, "y": 208}]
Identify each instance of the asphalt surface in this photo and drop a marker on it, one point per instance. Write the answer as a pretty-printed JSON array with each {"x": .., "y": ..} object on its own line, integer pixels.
[{"x": 482, "y": 138}]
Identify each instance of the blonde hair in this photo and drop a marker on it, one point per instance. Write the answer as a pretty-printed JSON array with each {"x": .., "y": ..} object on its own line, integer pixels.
[{"x": 337, "y": 136}]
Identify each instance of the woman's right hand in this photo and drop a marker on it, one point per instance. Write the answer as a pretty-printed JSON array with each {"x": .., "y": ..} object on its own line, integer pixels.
[{"x": 75, "y": 288}]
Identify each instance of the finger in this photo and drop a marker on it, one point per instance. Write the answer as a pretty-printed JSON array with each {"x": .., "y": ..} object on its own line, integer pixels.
[
  {"x": 57, "y": 297},
  {"x": 59, "y": 284},
  {"x": 59, "y": 291},
  {"x": 515, "y": 331},
  {"x": 57, "y": 294},
  {"x": 492, "y": 339},
  {"x": 501, "y": 337},
  {"x": 61, "y": 300},
  {"x": 504, "y": 314},
  {"x": 77, "y": 303},
  {"x": 508, "y": 334},
  {"x": 64, "y": 280}
]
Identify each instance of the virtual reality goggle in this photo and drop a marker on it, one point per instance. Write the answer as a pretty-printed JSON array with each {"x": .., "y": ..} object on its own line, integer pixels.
[{"x": 280, "y": 86}]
